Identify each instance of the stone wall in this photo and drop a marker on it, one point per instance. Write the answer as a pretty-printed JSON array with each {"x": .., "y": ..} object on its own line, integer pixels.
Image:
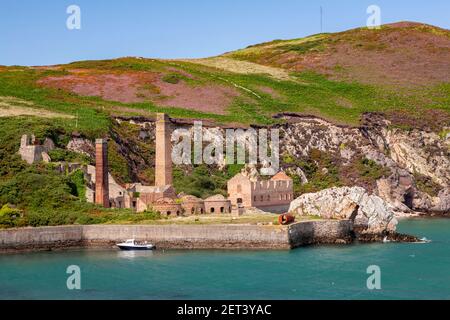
[
  {"x": 320, "y": 232},
  {"x": 194, "y": 236},
  {"x": 179, "y": 236},
  {"x": 30, "y": 239}
]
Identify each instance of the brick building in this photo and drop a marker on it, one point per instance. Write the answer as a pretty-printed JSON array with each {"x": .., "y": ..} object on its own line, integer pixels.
[{"x": 274, "y": 195}]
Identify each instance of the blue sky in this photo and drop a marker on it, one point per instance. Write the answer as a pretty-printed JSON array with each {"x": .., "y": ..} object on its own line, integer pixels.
[{"x": 35, "y": 32}]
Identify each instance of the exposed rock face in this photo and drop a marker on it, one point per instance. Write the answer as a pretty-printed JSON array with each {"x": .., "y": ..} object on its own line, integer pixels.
[
  {"x": 421, "y": 152},
  {"x": 369, "y": 212},
  {"x": 299, "y": 138},
  {"x": 81, "y": 145},
  {"x": 404, "y": 154}
]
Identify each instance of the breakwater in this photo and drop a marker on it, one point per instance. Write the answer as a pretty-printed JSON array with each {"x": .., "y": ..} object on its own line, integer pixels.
[{"x": 179, "y": 236}]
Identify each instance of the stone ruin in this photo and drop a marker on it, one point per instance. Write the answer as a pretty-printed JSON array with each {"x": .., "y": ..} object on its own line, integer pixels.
[{"x": 31, "y": 151}]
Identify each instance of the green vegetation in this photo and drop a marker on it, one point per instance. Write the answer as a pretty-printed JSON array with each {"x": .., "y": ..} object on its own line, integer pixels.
[
  {"x": 10, "y": 217},
  {"x": 175, "y": 78},
  {"x": 369, "y": 171},
  {"x": 44, "y": 195},
  {"x": 304, "y": 47},
  {"x": 444, "y": 133},
  {"x": 172, "y": 78},
  {"x": 48, "y": 198},
  {"x": 203, "y": 181},
  {"x": 323, "y": 171},
  {"x": 118, "y": 166},
  {"x": 117, "y": 216},
  {"x": 64, "y": 155},
  {"x": 320, "y": 169},
  {"x": 427, "y": 185},
  {"x": 362, "y": 172},
  {"x": 77, "y": 184},
  {"x": 38, "y": 195}
]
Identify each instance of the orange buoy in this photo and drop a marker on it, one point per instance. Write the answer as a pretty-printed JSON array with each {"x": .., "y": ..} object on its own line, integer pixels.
[{"x": 285, "y": 219}]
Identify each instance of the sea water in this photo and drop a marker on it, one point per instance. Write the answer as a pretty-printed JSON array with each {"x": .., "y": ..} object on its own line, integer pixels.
[{"x": 407, "y": 271}]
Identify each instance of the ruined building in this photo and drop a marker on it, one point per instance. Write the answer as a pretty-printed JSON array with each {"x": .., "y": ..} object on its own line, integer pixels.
[
  {"x": 31, "y": 151},
  {"x": 274, "y": 195}
]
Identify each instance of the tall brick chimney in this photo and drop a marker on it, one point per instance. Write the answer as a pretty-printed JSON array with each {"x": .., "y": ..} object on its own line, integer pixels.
[
  {"x": 163, "y": 166},
  {"x": 101, "y": 173}
]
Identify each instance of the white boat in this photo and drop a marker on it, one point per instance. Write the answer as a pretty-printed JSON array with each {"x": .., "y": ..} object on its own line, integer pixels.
[{"x": 132, "y": 244}]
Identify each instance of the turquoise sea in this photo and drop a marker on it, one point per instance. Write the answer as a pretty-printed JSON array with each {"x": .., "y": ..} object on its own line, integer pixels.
[{"x": 408, "y": 271}]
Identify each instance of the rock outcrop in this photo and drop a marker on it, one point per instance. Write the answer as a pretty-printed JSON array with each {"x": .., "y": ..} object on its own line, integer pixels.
[
  {"x": 407, "y": 155},
  {"x": 422, "y": 152},
  {"x": 82, "y": 146},
  {"x": 370, "y": 213}
]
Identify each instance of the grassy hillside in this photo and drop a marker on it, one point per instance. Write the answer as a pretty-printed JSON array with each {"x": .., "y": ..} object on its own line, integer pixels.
[
  {"x": 403, "y": 55},
  {"x": 336, "y": 76}
]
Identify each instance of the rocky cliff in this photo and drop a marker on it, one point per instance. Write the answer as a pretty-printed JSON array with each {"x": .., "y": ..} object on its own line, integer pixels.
[
  {"x": 407, "y": 168},
  {"x": 415, "y": 163}
]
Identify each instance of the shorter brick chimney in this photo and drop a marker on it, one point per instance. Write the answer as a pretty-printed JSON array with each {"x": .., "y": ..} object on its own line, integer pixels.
[{"x": 101, "y": 173}]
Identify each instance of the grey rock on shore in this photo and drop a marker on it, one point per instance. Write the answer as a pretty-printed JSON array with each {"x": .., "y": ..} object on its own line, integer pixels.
[{"x": 369, "y": 212}]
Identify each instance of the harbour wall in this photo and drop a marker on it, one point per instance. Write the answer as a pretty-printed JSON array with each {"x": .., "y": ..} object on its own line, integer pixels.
[{"x": 178, "y": 236}]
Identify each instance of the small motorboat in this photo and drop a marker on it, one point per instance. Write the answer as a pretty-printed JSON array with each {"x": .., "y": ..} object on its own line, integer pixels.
[{"x": 132, "y": 244}]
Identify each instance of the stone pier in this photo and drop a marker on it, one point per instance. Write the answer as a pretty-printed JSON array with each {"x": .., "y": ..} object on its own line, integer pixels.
[{"x": 179, "y": 236}]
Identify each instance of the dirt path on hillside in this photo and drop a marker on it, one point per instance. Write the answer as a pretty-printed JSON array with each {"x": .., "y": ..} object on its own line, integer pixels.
[
  {"x": 14, "y": 107},
  {"x": 242, "y": 67}
]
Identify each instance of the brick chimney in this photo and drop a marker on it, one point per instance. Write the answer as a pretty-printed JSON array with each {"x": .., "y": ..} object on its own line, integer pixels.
[
  {"x": 163, "y": 162},
  {"x": 101, "y": 173}
]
